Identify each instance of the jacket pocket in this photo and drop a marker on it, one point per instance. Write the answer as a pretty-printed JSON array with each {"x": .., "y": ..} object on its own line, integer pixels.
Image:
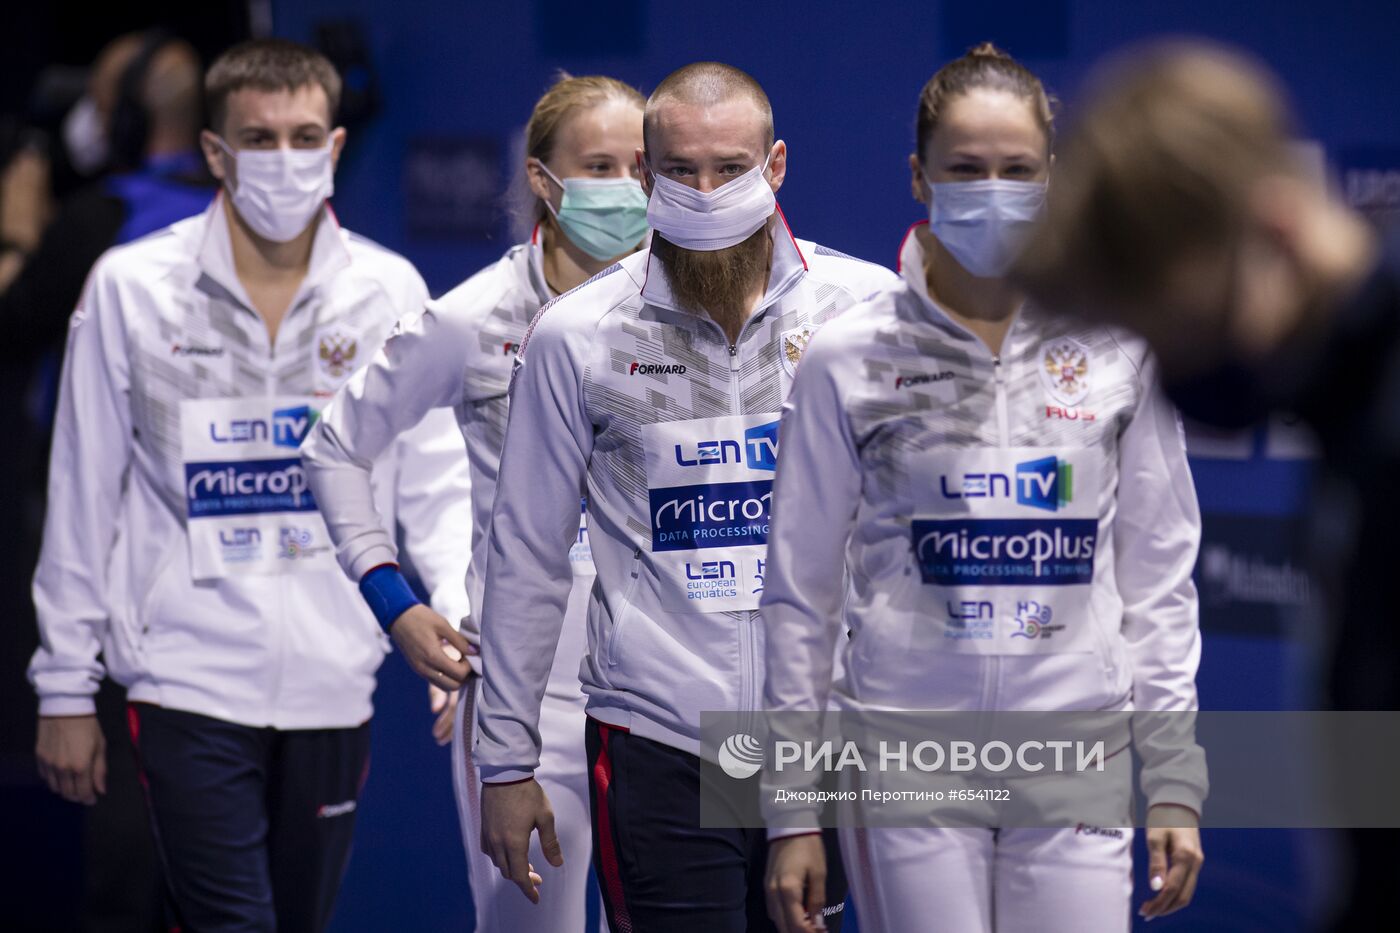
[
  {"x": 624, "y": 609},
  {"x": 157, "y": 590}
]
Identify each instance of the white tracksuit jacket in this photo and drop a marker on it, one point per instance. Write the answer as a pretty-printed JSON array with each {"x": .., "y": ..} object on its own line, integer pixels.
[
  {"x": 1020, "y": 531},
  {"x": 457, "y": 353},
  {"x": 673, "y": 431},
  {"x": 181, "y": 541}
]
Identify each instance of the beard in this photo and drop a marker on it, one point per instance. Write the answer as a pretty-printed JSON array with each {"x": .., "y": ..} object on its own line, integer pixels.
[{"x": 717, "y": 282}]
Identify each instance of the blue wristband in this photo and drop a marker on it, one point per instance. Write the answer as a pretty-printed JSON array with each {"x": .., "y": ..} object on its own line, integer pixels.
[{"x": 388, "y": 594}]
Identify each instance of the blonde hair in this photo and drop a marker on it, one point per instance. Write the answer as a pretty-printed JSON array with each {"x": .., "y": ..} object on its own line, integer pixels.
[
  {"x": 567, "y": 97},
  {"x": 985, "y": 66}
]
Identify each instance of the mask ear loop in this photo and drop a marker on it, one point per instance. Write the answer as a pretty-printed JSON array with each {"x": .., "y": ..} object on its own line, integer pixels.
[
  {"x": 548, "y": 205},
  {"x": 230, "y": 178}
]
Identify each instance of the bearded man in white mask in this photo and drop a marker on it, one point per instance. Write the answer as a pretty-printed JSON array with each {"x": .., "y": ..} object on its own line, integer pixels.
[
  {"x": 655, "y": 388},
  {"x": 183, "y": 545}
]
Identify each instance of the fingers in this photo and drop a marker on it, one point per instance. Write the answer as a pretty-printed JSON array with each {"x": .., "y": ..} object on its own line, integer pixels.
[
  {"x": 785, "y": 906},
  {"x": 75, "y": 784},
  {"x": 520, "y": 872},
  {"x": 549, "y": 840},
  {"x": 1186, "y": 860},
  {"x": 816, "y": 898},
  {"x": 1156, "y": 872},
  {"x": 1175, "y": 857},
  {"x": 453, "y": 671},
  {"x": 442, "y": 726},
  {"x": 437, "y": 698},
  {"x": 457, "y": 640}
]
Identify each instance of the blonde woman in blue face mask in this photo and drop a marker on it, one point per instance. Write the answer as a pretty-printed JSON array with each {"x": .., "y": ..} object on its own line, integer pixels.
[
  {"x": 908, "y": 423},
  {"x": 589, "y": 211}
]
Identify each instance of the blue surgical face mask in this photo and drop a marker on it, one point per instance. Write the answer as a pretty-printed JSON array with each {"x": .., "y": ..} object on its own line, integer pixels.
[
  {"x": 604, "y": 217},
  {"x": 984, "y": 223}
]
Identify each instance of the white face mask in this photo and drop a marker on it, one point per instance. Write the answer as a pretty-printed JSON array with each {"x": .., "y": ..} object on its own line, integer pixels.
[
  {"x": 278, "y": 192},
  {"x": 84, "y": 137},
  {"x": 984, "y": 223},
  {"x": 701, "y": 221}
]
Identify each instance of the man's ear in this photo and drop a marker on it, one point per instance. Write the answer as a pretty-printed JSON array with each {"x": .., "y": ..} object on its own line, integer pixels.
[
  {"x": 214, "y": 155},
  {"x": 643, "y": 172},
  {"x": 337, "y": 145},
  {"x": 777, "y": 165},
  {"x": 918, "y": 183}
]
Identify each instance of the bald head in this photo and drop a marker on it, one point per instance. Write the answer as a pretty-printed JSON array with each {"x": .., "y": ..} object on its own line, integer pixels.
[{"x": 707, "y": 85}]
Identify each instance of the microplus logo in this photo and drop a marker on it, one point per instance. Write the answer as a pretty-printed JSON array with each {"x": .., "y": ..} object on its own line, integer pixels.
[
  {"x": 247, "y": 487},
  {"x": 1047, "y": 483},
  {"x": 1005, "y": 552},
  {"x": 758, "y": 450},
  {"x": 710, "y": 515},
  {"x": 286, "y": 428}
]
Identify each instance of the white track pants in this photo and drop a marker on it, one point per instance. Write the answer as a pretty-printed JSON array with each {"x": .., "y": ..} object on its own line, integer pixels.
[
  {"x": 563, "y": 773},
  {"x": 1012, "y": 880}
]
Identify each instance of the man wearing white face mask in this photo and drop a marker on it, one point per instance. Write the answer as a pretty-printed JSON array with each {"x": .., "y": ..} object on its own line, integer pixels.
[
  {"x": 182, "y": 542},
  {"x": 655, "y": 387}
]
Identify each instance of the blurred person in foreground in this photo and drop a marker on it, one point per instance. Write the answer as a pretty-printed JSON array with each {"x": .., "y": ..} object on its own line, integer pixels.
[
  {"x": 1179, "y": 210},
  {"x": 135, "y": 133}
]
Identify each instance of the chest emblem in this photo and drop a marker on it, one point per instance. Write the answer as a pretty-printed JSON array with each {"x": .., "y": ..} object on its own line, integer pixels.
[
  {"x": 336, "y": 354},
  {"x": 794, "y": 344},
  {"x": 1065, "y": 370}
]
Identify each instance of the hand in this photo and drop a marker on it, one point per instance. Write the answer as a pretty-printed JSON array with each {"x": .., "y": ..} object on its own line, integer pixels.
[
  {"x": 509, "y": 813},
  {"x": 1174, "y": 858},
  {"x": 72, "y": 757},
  {"x": 796, "y": 883},
  {"x": 445, "y": 705},
  {"x": 424, "y": 637}
]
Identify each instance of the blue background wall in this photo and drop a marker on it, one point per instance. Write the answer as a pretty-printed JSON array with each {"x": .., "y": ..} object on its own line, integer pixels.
[{"x": 843, "y": 79}]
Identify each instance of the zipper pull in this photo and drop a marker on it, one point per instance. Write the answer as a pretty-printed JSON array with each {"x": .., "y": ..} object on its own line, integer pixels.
[{"x": 733, "y": 349}]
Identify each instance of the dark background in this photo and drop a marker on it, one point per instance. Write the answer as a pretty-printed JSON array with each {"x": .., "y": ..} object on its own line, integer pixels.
[{"x": 455, "y": 81}]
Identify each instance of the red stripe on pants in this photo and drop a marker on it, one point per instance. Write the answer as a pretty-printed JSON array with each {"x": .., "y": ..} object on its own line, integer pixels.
[{"x": 607, "y": 848}]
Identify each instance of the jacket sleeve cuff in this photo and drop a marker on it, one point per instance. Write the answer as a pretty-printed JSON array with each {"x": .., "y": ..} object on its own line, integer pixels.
[
  {"x": 1178, "y": 794},
  {"x": 387, "y": 593},
  {"x": 492, "y": 774},
  {"x": 67, "y": 705},
  {"x": 372, "y": 557},
  {"x": 789, "y": 832}
]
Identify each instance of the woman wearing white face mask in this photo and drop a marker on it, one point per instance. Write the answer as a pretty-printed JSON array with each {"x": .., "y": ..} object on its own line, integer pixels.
[
  {"x": 589, "y": 210},
  {"x": 934, "y": 437}
]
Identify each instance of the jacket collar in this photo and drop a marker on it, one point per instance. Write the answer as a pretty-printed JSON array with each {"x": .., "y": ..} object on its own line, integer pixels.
[
  {"x": 789, "y": 268},
  {"x": 534, "y": 263},
  {"x": 329, "y": 253},
  {"x": 910, "y": 267}
]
